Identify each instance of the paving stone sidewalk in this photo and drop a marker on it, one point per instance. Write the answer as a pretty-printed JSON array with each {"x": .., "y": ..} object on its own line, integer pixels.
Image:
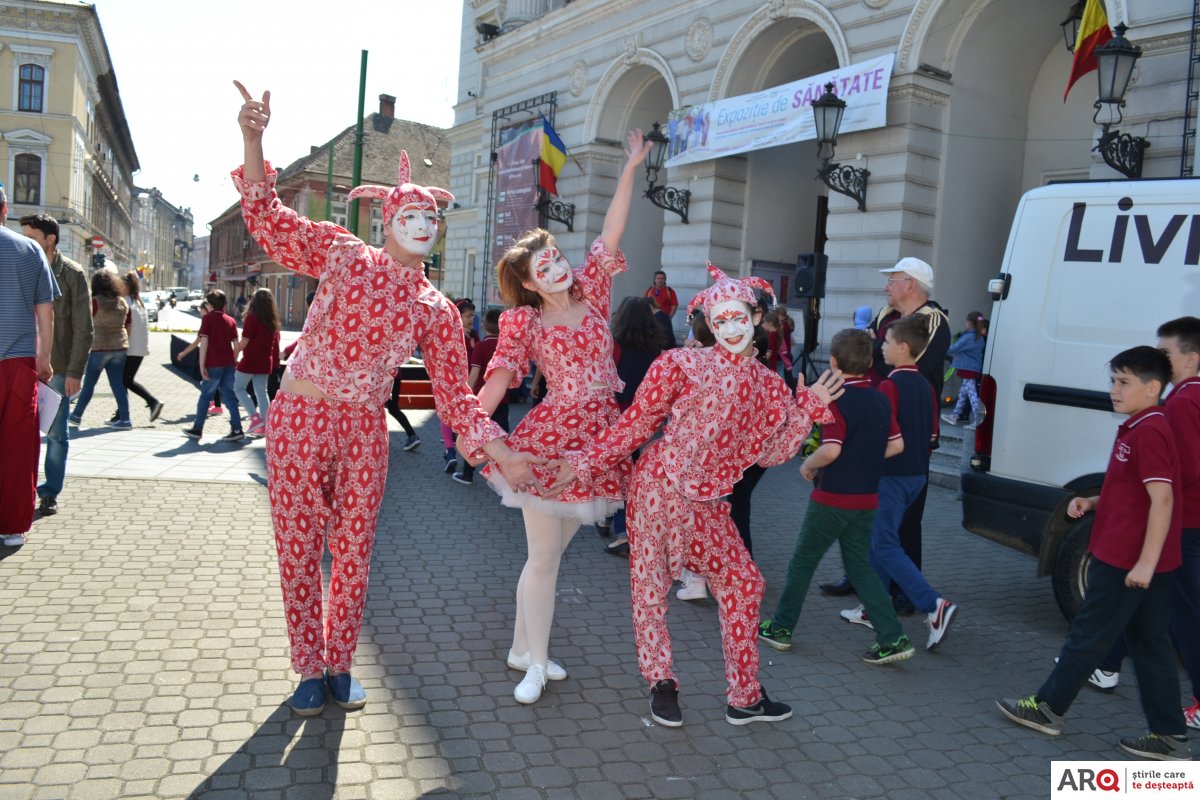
[{"x": 143, "y": 653}]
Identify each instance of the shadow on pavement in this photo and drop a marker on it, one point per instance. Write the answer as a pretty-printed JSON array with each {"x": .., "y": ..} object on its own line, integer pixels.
[{"x": 287, "y": 752}]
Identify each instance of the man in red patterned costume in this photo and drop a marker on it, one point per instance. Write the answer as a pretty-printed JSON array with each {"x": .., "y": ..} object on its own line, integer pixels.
[
  {"x": 327, "y": 444},
  {"x": 724, "y": 412}
]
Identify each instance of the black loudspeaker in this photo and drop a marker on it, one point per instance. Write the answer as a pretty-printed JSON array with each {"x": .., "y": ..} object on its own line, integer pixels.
[{"x": 810, "y": 275}]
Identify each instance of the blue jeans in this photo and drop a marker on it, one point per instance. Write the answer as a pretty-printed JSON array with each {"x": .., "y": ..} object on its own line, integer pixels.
[
  {"x": 1111, "y": 611},
  {"x": 218, "y": 378},
  {"x": 896, "y": 494},
  {"x": 57, "y": 442},
  {"x": 112, "y": 363},
  {"x": 241, "y": 380}
]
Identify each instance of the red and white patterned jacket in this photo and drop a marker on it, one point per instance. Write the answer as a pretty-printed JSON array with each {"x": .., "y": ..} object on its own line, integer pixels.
[
  {"x": 368, "y": 316},
  {"x": 724, "y": 412}
]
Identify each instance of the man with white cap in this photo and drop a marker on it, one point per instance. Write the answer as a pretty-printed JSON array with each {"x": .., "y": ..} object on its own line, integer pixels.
[{"x": 909, "y": 286}]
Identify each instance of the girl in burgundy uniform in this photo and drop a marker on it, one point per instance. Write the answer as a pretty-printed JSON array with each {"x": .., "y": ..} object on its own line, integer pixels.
[
  {"x": 724, "y": 411},
  {"x": 327, "y": 443},
  {"x": 559, "y": 320}
]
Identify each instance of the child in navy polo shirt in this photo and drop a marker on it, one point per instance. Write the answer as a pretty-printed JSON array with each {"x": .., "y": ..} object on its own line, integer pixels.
[
  {"x": 846, "y": 469},
  {"x": 914, "y": 405},
  {"x": 1135, "y": 546}
]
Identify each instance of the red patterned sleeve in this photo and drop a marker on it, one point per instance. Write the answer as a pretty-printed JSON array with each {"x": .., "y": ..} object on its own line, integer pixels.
[
  {"x": 515, "y": 348},
  {"x": 445, "y": 354},
  {"x": 291, "y": 240},
  {"x": 798, "y": 418},
  {"x": 662, "y": 386},
  {"x": 596, "y": 274}
]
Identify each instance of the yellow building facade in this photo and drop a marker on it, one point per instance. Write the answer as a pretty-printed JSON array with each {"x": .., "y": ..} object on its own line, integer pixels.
[{"x": 65, "y": 146}]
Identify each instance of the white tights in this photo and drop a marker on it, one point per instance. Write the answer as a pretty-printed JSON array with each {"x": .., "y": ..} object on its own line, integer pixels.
[{"x": 547, "y": 537}]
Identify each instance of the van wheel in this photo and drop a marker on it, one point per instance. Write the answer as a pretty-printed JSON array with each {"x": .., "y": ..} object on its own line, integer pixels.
[{"x": 1071, "y": 568}]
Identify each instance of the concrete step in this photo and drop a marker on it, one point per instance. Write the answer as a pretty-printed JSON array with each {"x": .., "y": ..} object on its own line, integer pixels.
[{"x": 952, "y": 457}]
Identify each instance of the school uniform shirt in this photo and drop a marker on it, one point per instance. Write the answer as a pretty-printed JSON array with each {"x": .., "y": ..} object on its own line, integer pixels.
[
  {"x": 262, "y": 353},
  {"x": 222, "y": 333},
  {"x": 481, "y": 356},
  {"x": 915, "y": 409},
  {"x": 1144, "y": 452},
  {"x": 1183, "y": 415},
  {"x": 863, "y": 424}
]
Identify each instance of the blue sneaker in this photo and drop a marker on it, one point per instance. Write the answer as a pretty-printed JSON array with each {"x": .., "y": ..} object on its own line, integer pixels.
[
  {"x": 309, "y": 698},
  {"x": 346, "y": 691}
]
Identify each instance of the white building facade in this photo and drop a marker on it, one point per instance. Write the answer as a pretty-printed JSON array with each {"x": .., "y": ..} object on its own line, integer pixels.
[{"x": 975, "y": 117}]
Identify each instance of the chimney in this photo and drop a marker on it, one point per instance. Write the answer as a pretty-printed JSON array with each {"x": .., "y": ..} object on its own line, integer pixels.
[{"x": 387, "y": 106}]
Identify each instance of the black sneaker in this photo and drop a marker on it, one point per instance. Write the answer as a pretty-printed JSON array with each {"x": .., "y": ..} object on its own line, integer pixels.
[
  {"x": 899, "y": 650},
  {"x": 155, "y": 410},
  {"x": 1159, "y": 748},
  {"x": 463, "y": 478},
  {"x": 48, "y": 506},
  {"x": 664, "y": 704},
  {"x": 775, "y": 636},
  {"x": 765, "y": 710},
  {"x": 192, "y": 433},
  {"x": 235, "y": 435},
  {"x": 451, "y": 457},
  {"x": 1029, "y": 712}
]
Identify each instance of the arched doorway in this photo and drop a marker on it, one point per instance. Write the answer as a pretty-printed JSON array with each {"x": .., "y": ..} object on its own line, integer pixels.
[
  {"x": 784, "y": 209},
  {"x": 637, "y": 98},
  {"x": 1007, "y": 130}
]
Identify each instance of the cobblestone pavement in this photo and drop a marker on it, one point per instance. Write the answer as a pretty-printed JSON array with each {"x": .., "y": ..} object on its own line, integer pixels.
[{"x": 143, "y": 655}]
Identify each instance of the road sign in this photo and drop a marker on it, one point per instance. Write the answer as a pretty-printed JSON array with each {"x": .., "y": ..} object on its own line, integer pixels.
[{"x": 97, "y": 242}]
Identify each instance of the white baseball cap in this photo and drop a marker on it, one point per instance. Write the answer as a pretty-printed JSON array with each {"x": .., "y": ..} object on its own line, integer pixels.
[{"x": 916, "y": 269}]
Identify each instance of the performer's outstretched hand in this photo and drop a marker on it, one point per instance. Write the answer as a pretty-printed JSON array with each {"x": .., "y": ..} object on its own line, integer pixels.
[
  {"x": 564, "y": 478},
  {"x": 254, "y": 115},
  {"x": 828, "y": 387},
  {"x": 637, "y": 147}
]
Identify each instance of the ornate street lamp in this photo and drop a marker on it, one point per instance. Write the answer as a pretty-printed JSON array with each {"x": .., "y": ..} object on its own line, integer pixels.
[
  {"x": 1115, "y": 61},
  {"x": 665, "y": 197},
  {"x": 828, "y": 110},
  {"x": 1070, "y": 26}
]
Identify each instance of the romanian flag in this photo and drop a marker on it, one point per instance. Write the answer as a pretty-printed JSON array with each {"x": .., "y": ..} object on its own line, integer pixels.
[
  {"x": 1093, "y": 32},
  {"x": 554, "y": 156}
]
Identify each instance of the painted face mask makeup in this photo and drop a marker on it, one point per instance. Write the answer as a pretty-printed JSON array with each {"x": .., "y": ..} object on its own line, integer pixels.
[
  {"x": 550, "y": 271},
  {"x": 415, "y": 229},
  {"x": 732, "y": 325}
]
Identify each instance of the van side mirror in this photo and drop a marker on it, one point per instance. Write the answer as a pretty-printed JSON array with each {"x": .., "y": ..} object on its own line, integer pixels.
[{"x": 999, "y": 285}]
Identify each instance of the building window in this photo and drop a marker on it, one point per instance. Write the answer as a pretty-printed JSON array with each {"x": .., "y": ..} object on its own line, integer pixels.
[
  {"x": 32, "y": 87},
  {"x": 339, "y": 215},
  {"x": 27, "y": 186},
  {"x": 376, "y": 225}
]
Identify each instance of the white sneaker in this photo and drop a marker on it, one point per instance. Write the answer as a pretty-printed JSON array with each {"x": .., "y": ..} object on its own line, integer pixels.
[
  {"x": 939, "y": 622},
  {"x": 857, "y": 615},
  {"x": 14, "y": 540},
  {"x": 694, "y": 587},
  {"x": 554, "y": 670},
  {"x": 530, "y": 688},
  {"x": 1101, "y": 679}
]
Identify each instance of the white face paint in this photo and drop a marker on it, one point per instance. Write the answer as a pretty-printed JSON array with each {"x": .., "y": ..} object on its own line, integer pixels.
[
  {"x": 550, "y": 271},
  {"x": 732, "y": 325},
  {"x": 415, "y": 229}
]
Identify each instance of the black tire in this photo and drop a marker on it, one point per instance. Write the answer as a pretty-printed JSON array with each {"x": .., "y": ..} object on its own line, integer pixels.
[{"x": 1071, "y": 568}]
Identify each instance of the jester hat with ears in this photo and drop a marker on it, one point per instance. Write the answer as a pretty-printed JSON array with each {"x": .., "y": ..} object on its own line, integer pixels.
[
  {"x": 404, "y": 193},
  {"x": 727, "y": 288}
]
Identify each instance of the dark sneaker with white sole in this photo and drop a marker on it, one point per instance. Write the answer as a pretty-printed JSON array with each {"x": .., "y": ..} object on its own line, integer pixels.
[
  {"x": 765, "y": 710},
  {"x": 1029, "y": 712},
  {"x": 775, "y": 636},
  {"x": 1159, "y": 748},
  {"x": 664, "y": 704}
]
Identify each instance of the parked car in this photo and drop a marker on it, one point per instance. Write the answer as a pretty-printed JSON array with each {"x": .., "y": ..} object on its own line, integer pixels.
[
  {"x": 150, "y": 301},
  {"x": 180, "y": 292},
  {"x": 195, "y": 295},
  {"x": 1079, "y": 283}
]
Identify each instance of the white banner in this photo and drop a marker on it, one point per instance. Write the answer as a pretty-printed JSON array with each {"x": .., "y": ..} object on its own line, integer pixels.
[
  {"x": 779, "y": 115},
  {"x": 1072, "y": 780}
]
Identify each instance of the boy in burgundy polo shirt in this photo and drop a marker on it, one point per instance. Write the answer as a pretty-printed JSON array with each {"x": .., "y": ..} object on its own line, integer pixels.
[
  {"x": 218, "y": 335},
  {"x": 1135, "y": 546},
  {"x": 842, "y": 508},
  {"x": 1179, "y": 339},
  {"x": 481, "y": 356}
]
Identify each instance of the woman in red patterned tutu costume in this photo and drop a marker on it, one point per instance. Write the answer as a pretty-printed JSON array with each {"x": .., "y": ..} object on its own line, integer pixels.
[{"x": 558, "y": 318}]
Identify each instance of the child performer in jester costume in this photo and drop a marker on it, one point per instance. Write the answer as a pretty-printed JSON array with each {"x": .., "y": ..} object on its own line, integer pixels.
[
  {"x": 327, "y": 443},
  {"x": 724, "y": 411}
]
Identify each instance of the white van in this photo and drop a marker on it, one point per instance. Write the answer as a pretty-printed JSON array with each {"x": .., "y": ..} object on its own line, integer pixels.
[{"x": 1091, "y": 269}]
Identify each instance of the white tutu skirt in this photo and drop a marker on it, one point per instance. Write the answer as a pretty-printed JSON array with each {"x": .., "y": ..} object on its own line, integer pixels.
[{"x": 587, "y": 512}]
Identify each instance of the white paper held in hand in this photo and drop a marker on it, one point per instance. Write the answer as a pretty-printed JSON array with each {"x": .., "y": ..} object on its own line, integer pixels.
[{"x": 48, "y": 403}]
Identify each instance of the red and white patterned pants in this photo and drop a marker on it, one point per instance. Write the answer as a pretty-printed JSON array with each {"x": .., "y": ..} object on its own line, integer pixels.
[
  {"x": 326, "y": 469},
  {"x": 668, "y": 531}
]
